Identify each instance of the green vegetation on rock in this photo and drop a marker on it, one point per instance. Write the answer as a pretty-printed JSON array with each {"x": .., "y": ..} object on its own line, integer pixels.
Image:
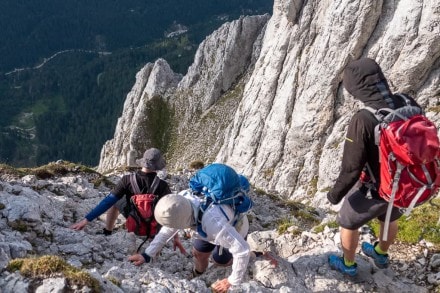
[
  {"x": 422, "y": 223},
  {"x": 50, "y": 266}
]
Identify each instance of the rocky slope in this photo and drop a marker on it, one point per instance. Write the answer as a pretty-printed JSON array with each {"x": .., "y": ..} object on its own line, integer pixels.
[{"x": 35, "y": 215}]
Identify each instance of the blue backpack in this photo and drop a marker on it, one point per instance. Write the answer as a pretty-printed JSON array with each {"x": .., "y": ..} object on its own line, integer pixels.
[{"x": 220, "y": 184}]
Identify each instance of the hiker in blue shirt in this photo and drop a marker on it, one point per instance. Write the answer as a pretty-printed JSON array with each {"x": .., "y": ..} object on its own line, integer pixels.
[{"x": 118, "y": 199}]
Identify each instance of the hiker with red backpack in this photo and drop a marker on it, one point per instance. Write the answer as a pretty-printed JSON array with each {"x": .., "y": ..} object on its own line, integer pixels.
[
  {"x": 390, "y": 162},
  {"x": 120, "y": 199}
]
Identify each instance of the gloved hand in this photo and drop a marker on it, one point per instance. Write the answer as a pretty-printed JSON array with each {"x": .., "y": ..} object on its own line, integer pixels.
[{"x": 334, "y": 198}]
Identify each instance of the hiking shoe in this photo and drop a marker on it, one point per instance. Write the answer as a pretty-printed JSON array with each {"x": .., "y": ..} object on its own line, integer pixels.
[
  {"x": 194, "y": 274},
  {"x": 380, "y": 260},
  {"x": 337, "y": 263},
  {"x": 104, "y": 232}
]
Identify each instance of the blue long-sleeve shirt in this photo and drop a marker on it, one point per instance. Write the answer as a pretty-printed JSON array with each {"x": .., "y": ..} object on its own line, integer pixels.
[{"x": 102, "y": 207}]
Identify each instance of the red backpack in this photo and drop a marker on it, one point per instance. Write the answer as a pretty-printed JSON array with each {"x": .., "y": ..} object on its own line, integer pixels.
[
  {"x": 408, "y": 155},
  {"x": 141, "y": 219}
]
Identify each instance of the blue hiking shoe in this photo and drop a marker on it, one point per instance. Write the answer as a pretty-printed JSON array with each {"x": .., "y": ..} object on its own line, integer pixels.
[
  {"x": 380, "y": 260},
  {"x": 337, "y": 263}
]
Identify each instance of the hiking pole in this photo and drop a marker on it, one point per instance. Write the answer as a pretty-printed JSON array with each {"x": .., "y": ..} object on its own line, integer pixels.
[{"x": 172, "y": 236}]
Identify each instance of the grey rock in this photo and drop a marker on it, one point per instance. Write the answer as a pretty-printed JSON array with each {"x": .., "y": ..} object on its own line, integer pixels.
[
  {"x": 11, "y": 283},
  {"x": 55, "y": 285},
  {"x": 302, "y": 258}
]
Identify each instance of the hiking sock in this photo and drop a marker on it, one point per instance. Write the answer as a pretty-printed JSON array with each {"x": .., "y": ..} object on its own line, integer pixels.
[
  {"x": 196, "y": 273},
  {"x": 378, "y": 250},
  {"x": 349, "y": 263},
  {"x": 106, "y": 232}
]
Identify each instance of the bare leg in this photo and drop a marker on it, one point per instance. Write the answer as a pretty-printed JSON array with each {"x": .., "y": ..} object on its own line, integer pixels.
[
  {"x": 201, "y": 260},
  {"x": 110, "y": 220},
  {"x": 392, "y": 233},
  {"x": 349, "y": 241}
]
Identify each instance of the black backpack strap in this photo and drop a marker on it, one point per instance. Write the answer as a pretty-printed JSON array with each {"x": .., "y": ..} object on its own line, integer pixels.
[
  {"x": 376, "y": 113},
  {"x": 405, "y": 99},
  {"x": 154, "y": 185},
  {"x": 134, "y": 184},
  {"x": 143, "y": 242}
]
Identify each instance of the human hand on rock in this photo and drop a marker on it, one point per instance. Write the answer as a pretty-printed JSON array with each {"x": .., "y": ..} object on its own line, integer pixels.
[
  {"x": 136, "y": 259},
  {"x": 80, "y": 225},
  {"x": 221, "y": 286},
  {"x": 178, "y": 244}
]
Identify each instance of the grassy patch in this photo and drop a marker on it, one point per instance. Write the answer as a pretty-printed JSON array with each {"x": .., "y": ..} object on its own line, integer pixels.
[
  {"x": 268, "y": 173},
  {"x": 19, "y": 225},
  {"x": 49, "y": 266},
  {"x": 327, "y": 189},
  {"x": 308, "y": 216},
  {"x": 261, "y": 192},
  {"x": 9, "y": 170},
  {"x": 114, "y": 281},
  {"x": 331, "y": 225},
  {"x": 47, "y": 171},
  {"x": 313, "y": 186},
  {"x": 302, "y": 218},
  {"x": 284, "y": 224},
  {"x": 435, "y": 109},
  {"x": 196, "y": 165},
  {"x": 55, "y": 169},
  {"x": 158, "y": 122},
  {"x": 421, "y": 224}
]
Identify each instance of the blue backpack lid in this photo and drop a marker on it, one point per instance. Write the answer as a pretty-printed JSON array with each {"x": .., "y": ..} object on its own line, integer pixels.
[{"x": 217, "y": 180}]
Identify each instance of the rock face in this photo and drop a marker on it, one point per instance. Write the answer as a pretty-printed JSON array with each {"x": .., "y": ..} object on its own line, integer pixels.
[
  {"x": 133, "y": 132},
  {"x": 265, "y": 95},
  {"x": 289, "y": 127},
  {"x": 204, "y": 99},
  {"x": 35, "y": 216}
]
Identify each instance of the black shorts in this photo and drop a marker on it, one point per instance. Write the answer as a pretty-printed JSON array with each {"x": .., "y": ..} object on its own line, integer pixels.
[
  {"x": 220, "y": 254},
  {"x": 357, "y": 210}
]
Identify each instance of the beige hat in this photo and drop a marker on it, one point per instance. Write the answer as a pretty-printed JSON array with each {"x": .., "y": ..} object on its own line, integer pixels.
[{"x": 174, "y": 211}]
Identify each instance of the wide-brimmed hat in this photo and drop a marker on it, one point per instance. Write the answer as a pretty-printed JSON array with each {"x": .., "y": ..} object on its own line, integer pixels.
[
  {"x": 174, "y": 211},
  {"x": 152, "y": 160}
]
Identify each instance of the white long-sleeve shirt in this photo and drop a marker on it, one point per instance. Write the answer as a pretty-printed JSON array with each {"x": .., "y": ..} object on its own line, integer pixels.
[{"x": 219, "y": 231}]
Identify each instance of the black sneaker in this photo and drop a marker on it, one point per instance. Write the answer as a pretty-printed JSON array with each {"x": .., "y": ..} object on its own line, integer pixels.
[{"x": 104, "y": 232}]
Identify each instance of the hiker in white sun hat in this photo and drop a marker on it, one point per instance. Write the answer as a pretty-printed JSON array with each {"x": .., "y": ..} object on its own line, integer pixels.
[{"x": 180, "y": 211}]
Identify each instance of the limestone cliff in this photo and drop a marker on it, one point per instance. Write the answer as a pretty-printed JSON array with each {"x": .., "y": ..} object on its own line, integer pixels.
[{"x": 265, "y": 95}]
